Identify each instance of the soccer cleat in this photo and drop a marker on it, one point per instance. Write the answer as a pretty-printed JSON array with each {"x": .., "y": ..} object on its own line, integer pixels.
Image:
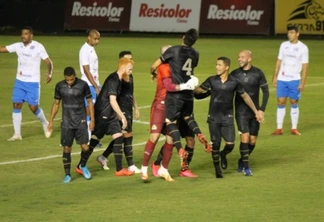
[
  {"x": 155, "y": 169},
  {"x": 99, "y": 145},
  {"x": 47, "y": 133},
  {"x": 277, "y": 132},
  {"x": 78, "y": 170},
  {"x": 67, "y": 179},
  {"x": 183, "y": 158},
  {"x": 124, "y": 172},
  {"x": 14, "y": 138},
  {"x": 103, "y": 162},
  {"x": 165, "y": 174},
  {"x": 85, "y": 172},
  {"x": 144, "y": 177},
  {"x": 134, "y": 169},
  {"x": 247, "y": 172},
  {"x": 219, "y": 175},
  {"x": 295, "y": 132},
  {"x": 187, "y": 173},
  {"x": 240, "y": 166},
  {"x": 204, "y": 141},
  {"x": 223, "y": 160}
]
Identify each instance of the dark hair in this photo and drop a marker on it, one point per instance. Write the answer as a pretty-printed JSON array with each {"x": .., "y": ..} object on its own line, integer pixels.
[
  {"x": 30, "y": 29},
  {"x": 293, "y": 27},
  {"x": 123, "y": 53},
  {"x": 190, "y": 37},
  {"x": 69, "y": 71},
  {"x": 226, "y": 60}
]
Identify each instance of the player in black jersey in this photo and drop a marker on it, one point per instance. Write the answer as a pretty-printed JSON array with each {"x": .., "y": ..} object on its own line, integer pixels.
[
  {"x": 126, "y": 101},
  {"x": 252, "y": 79},
  {"x": 72, "y": 91},
  {"x": 182, "y": 60},
  {"x": 108, "y": 114},
  {"x": 222, "y": 88}
]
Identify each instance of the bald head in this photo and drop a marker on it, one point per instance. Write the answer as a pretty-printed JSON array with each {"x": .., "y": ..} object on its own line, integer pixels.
[
  {"x": 93, "y": 37},
  {"x": 245, "y": 59},
  {"x": 164, "y": 48},
  {"x": 93, "y": 32},
  {"x": 247, "y": 53}
]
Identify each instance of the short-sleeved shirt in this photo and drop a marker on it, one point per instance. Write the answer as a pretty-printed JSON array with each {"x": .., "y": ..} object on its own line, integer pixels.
[
  {"x": 182, "y": 60},
  {"x": 222, "y": 95},
  {"x": 251, "y": 80},
  {"x": 72, "y": 97},
  {"x": 292, "y": 57},
  {"x": 111, "y": 86},
  {"x": 88, "y": 56},
  {"x": 29, "y": 59},
  {"x": 126, "y": 97}
]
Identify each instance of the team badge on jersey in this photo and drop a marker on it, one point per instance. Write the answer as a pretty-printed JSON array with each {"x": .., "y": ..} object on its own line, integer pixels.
[{"x": 154, "y": 127}]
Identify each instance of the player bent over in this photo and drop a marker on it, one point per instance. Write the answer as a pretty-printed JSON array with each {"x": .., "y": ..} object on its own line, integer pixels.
[{"x": 72, "y": 91}]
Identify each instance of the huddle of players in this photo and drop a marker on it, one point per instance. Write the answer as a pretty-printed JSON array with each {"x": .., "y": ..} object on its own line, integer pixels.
[{"x": 171, "y": 110}]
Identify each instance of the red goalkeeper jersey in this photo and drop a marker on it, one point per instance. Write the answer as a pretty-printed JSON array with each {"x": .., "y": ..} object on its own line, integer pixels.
[{"x": 163, "y": 72}]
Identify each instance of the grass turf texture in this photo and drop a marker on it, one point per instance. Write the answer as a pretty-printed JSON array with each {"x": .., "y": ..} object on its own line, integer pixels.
[{"x": 287, "y": 184}]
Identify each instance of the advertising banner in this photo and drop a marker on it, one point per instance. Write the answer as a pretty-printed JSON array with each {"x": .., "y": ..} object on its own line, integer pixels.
[
  {"x": 308, "y": 14},
  {"x": 236, "y": 17},
  {"x": 97, "y": 14},
  {"x": 164, "y": 15}
]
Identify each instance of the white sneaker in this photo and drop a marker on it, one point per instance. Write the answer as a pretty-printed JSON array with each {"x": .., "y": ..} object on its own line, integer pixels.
[
  {"x": 47, "y": 133},
  {"x": 103, "y": 162},
  {"x": 165, "y": 174},
  {"x": 134, "y": 169},
  {"x": 15, "y": 137}
]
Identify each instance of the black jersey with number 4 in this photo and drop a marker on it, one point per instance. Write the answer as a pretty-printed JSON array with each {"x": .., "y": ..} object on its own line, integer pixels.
[
  {"x": 222, "y": 96},
  {"x": 182, "y": 60},
  {"x": 111, "y": 86},
  {"x": 251, "y": 80},
  {"x": 73, "y": 106},
  {"x": 126, "y": 97}
]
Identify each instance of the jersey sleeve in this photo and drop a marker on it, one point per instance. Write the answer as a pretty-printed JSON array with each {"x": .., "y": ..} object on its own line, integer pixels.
[
  {"x": 42, "y": 51},
  {"x": 167, "y": 55},
  {"x": 239, "y": 87},
  {"x": 164, "y": 71},
  {"x": 86, "y": 90},
  {"x": 207, "y": 83},
  {"x": 12, "y": 48},
  {"x": 57, "y": 94},
  {"x": 305, "y": 55},
  {"x": 113, "y": 85},
  {"x": 84, "y": 57},
  {"x": 280, "y": 55}
]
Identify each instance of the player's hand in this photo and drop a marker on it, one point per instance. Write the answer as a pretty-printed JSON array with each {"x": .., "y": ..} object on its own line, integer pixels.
[
  {"x": 91, "y": 125},
  {"x": 137, "y": 114},
  {"x": 261, "y": 113},
  {"x": 97, "y": 90},
  {"x": 50, "y": 126},
  {"x": 259, "y": 117},
  {"x": 195, "y": 80},
  {"x": 48, "y": 78},
  {"x": 124, "y": 122},
  {"x": 301, "y": 87},
  {"x": 274, "y": 83}
]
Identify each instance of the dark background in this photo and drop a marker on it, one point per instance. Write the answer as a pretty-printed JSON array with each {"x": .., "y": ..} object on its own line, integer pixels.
[{"x": 43, "y": 15}]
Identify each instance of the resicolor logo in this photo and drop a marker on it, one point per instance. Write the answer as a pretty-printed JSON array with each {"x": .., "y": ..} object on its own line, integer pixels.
[{"x": 309, "y": 11}]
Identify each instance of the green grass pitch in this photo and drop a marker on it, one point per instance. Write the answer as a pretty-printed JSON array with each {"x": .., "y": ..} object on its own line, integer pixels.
[{"x": 287, "y": 184}]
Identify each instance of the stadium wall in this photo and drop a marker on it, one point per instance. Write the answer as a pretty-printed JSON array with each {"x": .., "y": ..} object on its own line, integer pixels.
[{"x": 249, "y": 17}]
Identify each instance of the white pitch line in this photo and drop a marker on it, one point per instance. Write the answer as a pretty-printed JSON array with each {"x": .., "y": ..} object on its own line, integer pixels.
[
  {"x": 58, "y": 156},
  {"x": 96, "y": 150}
]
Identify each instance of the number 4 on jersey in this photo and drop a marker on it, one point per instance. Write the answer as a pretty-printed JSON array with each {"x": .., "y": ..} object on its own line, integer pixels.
[{"x": 187, "y": 67}]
